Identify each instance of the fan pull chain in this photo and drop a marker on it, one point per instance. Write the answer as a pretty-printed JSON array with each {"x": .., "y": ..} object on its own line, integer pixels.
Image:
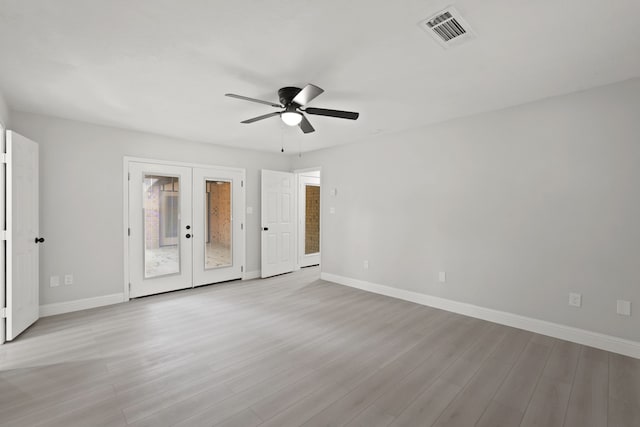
[{"x": 281, "y": 137}]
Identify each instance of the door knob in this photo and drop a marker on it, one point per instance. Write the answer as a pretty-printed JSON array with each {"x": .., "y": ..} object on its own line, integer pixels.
[
  {"x": 39, "y": 239},
  {"x": 188, "y": 236},
  {"x": 265, "y": 228},
  {"x": 188, "y": 227}
]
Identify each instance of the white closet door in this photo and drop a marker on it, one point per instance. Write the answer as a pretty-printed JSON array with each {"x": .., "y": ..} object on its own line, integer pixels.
[
  {"x": 278, "y": 223},
  {"x": 160, "y": 222},
  {"x": 23, "y": 239},
  {"x": 218, "y": 228}
]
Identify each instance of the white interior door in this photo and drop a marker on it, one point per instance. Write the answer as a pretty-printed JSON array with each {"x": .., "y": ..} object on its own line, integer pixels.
[
  {"x": 218, "y": 225},
  {"x": 22, "y": 287},
  {"x": 160, "y": 222},
  {"x": 309, "y": 220},
  {"x": 278, "y": 223}
]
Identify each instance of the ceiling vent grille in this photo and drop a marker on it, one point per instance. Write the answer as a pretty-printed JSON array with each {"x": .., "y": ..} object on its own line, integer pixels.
[{"x": 447, "y": 27}]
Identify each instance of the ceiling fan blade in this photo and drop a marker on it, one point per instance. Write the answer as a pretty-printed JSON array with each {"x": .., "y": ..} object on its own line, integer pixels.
[
  {"x": 246, "y": 98},
  {"x": 307, "y": 94},
  {"x": 305, "y": 125},
  {"x": 266, "y": 116},
  {"x": 333, "y": 113}
]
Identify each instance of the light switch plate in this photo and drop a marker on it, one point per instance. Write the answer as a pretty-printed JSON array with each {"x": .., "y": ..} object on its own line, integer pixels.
[
  {"x": 332, "y": 210},
  {"x": 442, "y": 277},
  {"x": 68, "y": 279},
  {"x": 624, "y": 307},
  {"x": 575, "y": 300},
  {"x": 365, "y": 265}
]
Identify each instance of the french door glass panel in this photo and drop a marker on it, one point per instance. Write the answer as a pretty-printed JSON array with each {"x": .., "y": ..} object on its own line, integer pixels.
[
  {"x": 161, "y": 216},
  {"x": 218, "y": 224}
]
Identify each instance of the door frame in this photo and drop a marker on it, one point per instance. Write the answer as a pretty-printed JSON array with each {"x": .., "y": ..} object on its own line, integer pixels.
[
  {"x": 3, "y": 194},
  {"x": 125, "y": 207},
  {"x": 300, "y": 214}
]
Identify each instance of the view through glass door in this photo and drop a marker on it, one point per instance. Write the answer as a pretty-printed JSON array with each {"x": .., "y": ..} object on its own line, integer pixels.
[
  {"x": 218, "y": 207},
  {"x": 185, "y": 227}
]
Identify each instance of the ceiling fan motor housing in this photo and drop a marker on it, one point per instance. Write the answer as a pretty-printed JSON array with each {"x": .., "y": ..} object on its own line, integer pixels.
[{"x": 287, "y": 94}]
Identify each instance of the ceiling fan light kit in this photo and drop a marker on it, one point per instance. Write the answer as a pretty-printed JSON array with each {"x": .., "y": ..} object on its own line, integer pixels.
[
  {"x": 292, "y": 99},
  {"x": 291, "y": 117}
]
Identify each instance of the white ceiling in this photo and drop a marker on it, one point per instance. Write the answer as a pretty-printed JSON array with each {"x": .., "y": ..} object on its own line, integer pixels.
[{"x": 163, "y": 66}]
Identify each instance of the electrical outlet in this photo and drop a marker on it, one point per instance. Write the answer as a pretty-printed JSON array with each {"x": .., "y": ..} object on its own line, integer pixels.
[
  {"x": 442, "y": 277},
  {"x": 624, "y": 307},
  {"x": 332, "y": 210},
  {"x": 68, "y": 279},
  {"x": 54, "y": 281},
  {"x": 575, "y": 300},
  {"x": 365, "y": 265}
]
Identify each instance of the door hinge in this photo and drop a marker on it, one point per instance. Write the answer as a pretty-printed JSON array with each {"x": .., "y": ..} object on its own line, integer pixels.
[
  {"x": 3, "y": 313},
  {"x": 4, "y": 158},
  {"x": 129, "y": 287},
  {"x": 128, "y": 231},
  {"x": 242, "y": 226},
  {"x": 242, "y": 269},
  {"x": 3, "y": 234},
  {"x": 241, "y": 183}
]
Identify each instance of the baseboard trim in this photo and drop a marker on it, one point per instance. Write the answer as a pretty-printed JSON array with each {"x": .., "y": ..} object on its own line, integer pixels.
[
  {"x": 251, "y": 275},
  {"x": 80, "y": 304},
  {"x": 567, "y": 333}
]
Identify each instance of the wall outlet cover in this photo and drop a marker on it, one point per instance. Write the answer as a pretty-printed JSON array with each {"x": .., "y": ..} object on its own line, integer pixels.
[
  {"x": 332, "y": 210},
  {"x": 54, "y": 281},
  {"x": 365, "y": 265},
  {"x": 68, "y": 279},
  {"x": 575, "y": 300},
  {"x": 442, "y": 277}
]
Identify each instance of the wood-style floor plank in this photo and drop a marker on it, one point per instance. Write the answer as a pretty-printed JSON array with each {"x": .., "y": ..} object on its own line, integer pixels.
[
  {"x": 294, "y": 350},
  {"x": 589, "y": 397}
]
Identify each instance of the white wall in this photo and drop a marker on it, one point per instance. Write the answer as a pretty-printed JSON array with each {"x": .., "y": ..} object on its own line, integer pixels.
[
  {"x": 4, "y": 111},
  {"x": 81, "y": 197},
  {"x": 519, "y": 207}
]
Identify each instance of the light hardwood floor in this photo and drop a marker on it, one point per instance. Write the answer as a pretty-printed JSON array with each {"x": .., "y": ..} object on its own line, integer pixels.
[{"x": 294, "y": 350}]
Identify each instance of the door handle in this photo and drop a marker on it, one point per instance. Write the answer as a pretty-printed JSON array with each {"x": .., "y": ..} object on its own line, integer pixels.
[
  {"x": 188, "y": 236},
  {"x": 265, "y": 228},
  {"x": 39, "y": 239}
]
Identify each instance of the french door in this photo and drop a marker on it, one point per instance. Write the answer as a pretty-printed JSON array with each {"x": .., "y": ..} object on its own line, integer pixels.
[{"x": 185, "y": 227}]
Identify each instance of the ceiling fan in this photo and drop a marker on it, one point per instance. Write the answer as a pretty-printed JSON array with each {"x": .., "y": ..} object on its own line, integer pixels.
[{"x": 292, "y": 99}]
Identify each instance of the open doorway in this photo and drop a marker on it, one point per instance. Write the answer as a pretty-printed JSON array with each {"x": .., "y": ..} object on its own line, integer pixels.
[{"x": 309, "y": 217}]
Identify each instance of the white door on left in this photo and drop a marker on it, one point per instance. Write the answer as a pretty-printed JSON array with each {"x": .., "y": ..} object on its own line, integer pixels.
[{"x": 23, "y": 238}]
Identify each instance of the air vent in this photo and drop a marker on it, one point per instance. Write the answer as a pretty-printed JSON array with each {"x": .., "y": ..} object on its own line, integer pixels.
[{"x": 447, "y": 27}]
